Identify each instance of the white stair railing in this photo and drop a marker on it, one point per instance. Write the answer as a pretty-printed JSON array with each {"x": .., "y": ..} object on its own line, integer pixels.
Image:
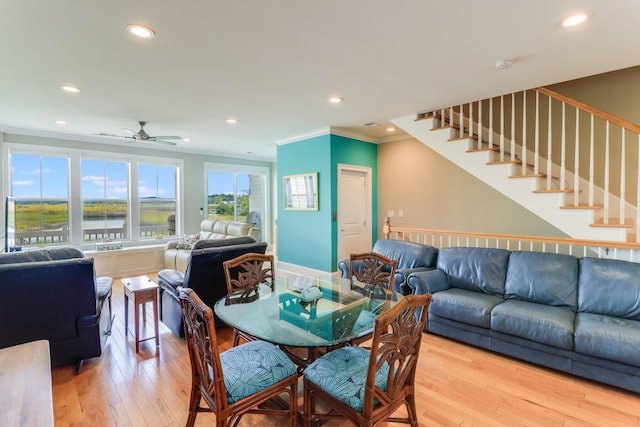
[{"x": 568, "y": 152}]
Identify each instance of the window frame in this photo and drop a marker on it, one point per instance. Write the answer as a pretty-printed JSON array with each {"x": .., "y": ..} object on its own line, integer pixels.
[
  {"x": 75, "y": 157},
  {"x": 242, "y": 169}
]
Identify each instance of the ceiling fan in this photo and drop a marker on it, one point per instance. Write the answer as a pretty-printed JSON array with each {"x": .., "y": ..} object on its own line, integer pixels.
[{"x": 142, "y": 136}]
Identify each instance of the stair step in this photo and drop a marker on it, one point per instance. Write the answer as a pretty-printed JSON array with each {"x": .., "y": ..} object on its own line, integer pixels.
[
  {"x": 614, "y": 223},
  {"x": 425, "y": 116},
  {"x": 533, "y": 175},
  {"x": 553, "y": 191},
  {"x": 461, "y": 138},
  {"x": 477, "y": 150},
  {"x": 444, "y": 127},
  {"x": 505, "y": 162},
  {"x": 594, "y": 207}
]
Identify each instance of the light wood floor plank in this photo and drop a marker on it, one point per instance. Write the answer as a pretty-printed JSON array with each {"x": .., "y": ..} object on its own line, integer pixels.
[{"x": 457, "y": 385}]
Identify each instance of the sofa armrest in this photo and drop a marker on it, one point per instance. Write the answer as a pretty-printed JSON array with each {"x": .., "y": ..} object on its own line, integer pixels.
[
  {"x": 427, "y": 282},
  {"x": 343, "y": 266},
  {"x": 171, "y": 244},
  {"x": 169, "y": 279}
]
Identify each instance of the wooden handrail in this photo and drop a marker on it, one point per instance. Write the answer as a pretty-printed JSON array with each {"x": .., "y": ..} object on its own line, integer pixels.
[
  {"x": 589, "y": 109},
  {"x": 388, "y": 229}
]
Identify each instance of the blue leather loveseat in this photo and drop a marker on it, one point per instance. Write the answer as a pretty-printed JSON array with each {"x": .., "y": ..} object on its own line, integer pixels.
[
  {"x": 53, "y": 294},
  {"x": 577, "y": 315},
  {"x": 412, "y": 257}
]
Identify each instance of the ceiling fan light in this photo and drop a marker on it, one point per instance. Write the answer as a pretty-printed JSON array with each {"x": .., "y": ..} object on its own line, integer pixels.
[{"x": 141, "y": 31}]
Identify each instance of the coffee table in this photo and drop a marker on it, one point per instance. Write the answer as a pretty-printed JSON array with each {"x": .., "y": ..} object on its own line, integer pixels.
[
  {"x": 143, "y": 290},
  {"x": 344, "y": 312}
]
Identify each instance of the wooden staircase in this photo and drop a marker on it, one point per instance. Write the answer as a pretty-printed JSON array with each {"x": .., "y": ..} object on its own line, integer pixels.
[{"x": 580, "y": 215}]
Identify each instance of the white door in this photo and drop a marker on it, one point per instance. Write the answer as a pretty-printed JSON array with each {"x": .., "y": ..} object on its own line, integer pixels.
[{"x": 354, "y": 210}]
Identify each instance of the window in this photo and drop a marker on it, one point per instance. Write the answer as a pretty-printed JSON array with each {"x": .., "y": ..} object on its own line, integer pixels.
[
  {"x": 104, "y": 200},
  {"x": 66, "y": 196},
  {"x": 157, "y": 196},
  {"x": 40, "y": 185},
  {"x": 237, "y": 193}
]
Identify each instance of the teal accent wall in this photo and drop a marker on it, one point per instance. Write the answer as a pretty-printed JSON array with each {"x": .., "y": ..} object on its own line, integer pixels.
[
  {"x": 304, "y": 237},
  {"x": 309, "y": 238},
  {"x": 359, "y": 153}
]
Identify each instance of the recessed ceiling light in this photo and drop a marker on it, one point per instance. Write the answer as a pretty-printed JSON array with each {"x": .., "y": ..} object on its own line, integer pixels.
[
  {"x": 574, "y": 20},
  {"x": 186, "y": 139},
  {"x": 70, "y": 89},
  {"x": 61, "y": 122},
  {"x": 232, "y": 121},
  {"x": 391, "y": 129},
  {"x": 335, "y": 100},
  {"x": 141, "y": 31}
]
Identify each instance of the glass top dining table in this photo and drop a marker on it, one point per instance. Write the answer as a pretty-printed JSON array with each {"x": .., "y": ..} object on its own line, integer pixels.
[{"x": 342, "y": 312}]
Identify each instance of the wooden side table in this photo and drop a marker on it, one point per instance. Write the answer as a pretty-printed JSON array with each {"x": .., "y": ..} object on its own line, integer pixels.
[{"x": 143, "y": 290}]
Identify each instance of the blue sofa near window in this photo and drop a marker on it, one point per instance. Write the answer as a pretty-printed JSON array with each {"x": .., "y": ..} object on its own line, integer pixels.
[
  {"x": 53, "y": 294},
  {"x": 577, "y": 315}
]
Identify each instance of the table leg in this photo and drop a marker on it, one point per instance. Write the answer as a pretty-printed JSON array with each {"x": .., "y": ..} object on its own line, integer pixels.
[
  {"x": 126, "y": 315},
  {"x": 137, "y": 324},
  {"x": 155, "y": 317}
]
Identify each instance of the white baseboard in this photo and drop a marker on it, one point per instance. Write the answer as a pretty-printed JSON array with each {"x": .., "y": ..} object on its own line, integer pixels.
[{"x": 302, "y": 270}]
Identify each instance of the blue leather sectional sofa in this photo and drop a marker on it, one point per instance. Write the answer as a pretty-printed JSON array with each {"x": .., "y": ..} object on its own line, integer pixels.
[
  {"x": 577, "y": 315},
  {"x": 53, "y": 294}
]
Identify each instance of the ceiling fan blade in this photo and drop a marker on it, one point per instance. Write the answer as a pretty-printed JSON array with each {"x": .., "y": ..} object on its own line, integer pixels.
[
  {"x": 107, "y": 134},
  {"x": 129, "y": 130},
  {"x": 163, "y": 142},
  {"x": 167, "y": 137}
]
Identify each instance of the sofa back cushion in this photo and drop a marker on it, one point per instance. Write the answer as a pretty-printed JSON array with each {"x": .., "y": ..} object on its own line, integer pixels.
[
  {"x": 609, "y": 287},
  {"x": 204, "y": 244},
  {"x": 545, "y": 278},
  {"x": 408, "y": 254},
  {"x": 475, "y": 269},
  {"x": 46, "y": 300},
  {"x": 235, "y": 229},
  {"x": 205, "y": 273},
  {"x": 52, "y": 254}
]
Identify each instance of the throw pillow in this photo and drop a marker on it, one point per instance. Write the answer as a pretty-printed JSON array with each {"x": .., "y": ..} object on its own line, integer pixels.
[{"x": 187, "y": 241}]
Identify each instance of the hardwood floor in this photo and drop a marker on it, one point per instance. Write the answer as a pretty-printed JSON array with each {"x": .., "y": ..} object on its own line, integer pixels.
[{"x": 457, "y": 385}]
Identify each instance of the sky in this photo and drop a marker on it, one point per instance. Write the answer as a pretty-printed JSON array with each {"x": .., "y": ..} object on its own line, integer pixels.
[
  {"x": 222, "y": 183},
  {"x": 47, "y": 177}
]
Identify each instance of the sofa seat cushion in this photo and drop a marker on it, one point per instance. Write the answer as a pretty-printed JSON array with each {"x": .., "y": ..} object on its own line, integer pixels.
[
  {"x": 536, "y": 322},
  {"x": 169, "y": 280},
  {"x": 464, "y": 306},
  {"x": 607, "y": 337}
]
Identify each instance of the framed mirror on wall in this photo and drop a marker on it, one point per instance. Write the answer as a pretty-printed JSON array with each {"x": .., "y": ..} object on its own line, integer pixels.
[{"x": 301, "y": 192}]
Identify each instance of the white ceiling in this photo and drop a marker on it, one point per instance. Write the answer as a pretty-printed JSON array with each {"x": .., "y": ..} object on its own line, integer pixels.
[{"x": 273, "y": 65}]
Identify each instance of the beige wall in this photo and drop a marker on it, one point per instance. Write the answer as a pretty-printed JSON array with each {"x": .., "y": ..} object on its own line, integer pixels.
[
  {"x": 434, "y": 193},
  {"x": 615, "y": 92}
]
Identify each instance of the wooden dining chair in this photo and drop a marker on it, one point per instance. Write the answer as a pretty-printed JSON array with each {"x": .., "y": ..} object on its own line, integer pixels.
[
  {"x": 375, "y": 273},
  {"x": 237, "y": 381},
  {"x": 368, "y": 386},
  {"x": 243, "y": 275},
  {"x": 372, "y": 269}
]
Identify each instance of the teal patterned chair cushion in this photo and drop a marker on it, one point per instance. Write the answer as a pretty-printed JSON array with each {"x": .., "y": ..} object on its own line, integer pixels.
[
  {"x": 343, "y": 373},
  {"x": 252, "y": 367}
]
